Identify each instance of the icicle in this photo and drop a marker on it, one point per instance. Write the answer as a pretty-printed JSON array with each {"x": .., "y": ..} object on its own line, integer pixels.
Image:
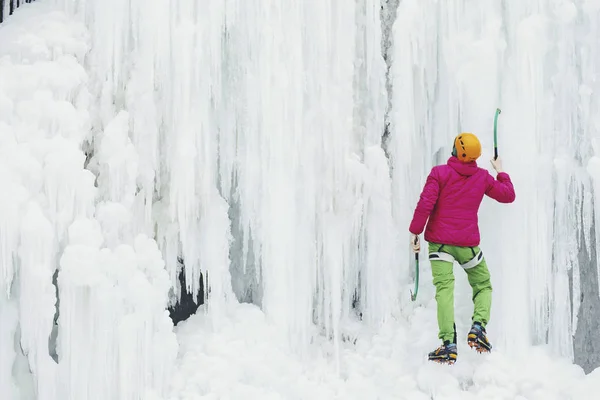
[
  {"x": 118, "y": 162},
  {"x": 593, "y": 169},
  {"x": 11, "y": 199},
  {"x": 112, "y": 319},
  {"x": 9, "y": 316},
  {"x": 382, "y": 270},
  {"x": 528, "y": 101},
  {"x": 369, "y": 75},
  {"x": 214, "y": 253},
  {"x": 565, "y": 254},
  {"x": 37, "y": 298},
  {"x": 409, "y": 145}
]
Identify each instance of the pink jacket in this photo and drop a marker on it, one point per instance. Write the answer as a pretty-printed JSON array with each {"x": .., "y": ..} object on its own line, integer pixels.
[{"x": 451, "y": 199}]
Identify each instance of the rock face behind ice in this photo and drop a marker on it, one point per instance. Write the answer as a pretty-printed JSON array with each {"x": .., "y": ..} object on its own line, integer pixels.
[
  {"x": 187, "y": 304},
  {"x": 586, "y": 342},
  {"x": 587, "y": 349}
]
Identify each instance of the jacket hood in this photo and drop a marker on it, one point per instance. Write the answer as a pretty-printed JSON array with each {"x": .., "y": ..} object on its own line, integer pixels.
[{"x": 465, "y": 169}]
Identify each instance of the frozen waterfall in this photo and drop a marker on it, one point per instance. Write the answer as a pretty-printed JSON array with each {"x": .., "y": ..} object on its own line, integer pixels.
[{"x": 279, "y": 148}]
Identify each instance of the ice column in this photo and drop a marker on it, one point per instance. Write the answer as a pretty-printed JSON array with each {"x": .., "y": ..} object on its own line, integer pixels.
[
  {"x": 37, "y": 297},
  {"x": 116, "y": 338}
]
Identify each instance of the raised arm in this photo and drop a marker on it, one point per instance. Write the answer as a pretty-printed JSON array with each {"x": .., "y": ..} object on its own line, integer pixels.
[
  {"x": 500, "y": 189},
  {"x": 427, "y": 201}
]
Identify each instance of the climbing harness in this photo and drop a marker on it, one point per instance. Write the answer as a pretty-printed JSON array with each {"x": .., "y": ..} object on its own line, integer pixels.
[{"x": 443, "y": 256}]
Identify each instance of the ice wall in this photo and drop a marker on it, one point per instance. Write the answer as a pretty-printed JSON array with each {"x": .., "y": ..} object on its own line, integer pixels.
[
  {"x": 258, "y": 134},
  {"x": 105, "y": 333},
  {"x": 534, "y": 60}
]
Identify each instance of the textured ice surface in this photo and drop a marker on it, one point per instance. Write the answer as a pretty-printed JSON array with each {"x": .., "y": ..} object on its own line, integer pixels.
[
  {"x": 246, "y": 139},
  {"x": 105, "y": 333}
]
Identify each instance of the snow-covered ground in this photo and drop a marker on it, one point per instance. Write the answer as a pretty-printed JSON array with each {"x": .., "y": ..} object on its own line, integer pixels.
[
  {"x": 115, "y": 340},
  {"x": 243, "y": 356}
]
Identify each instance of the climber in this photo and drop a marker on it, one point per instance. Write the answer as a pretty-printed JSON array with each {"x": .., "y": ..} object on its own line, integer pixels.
[{"x": 450, "y": 199}]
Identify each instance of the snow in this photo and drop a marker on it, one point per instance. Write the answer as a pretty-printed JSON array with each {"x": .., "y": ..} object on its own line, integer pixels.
[
  {"x": 246, "y": 139},
  {"x": 248, "y": 357}
]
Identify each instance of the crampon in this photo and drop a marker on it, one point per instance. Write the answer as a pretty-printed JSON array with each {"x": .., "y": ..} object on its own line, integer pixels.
[
  {"x": 445, "y": 354},
  {"x": 477, "y": 339}
]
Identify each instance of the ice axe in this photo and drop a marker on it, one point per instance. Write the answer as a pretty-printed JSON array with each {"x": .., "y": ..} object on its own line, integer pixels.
[
  {"x": 498, "y": 111},
  {"x": 413, "y": 296}
]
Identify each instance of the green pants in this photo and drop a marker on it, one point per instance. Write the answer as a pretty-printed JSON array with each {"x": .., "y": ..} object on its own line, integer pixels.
[{"x": 443, "y": 279}]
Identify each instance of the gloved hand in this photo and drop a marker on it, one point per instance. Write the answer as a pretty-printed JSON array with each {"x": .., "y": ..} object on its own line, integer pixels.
[
  {"x": 497, "y": 164},
  {"x": 414, "y": 242}
]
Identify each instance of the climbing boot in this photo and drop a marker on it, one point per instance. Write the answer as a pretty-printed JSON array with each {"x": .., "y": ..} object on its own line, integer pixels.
[
  {"x": 478, "y": 340},
  {"x": 445, "y": 354}
]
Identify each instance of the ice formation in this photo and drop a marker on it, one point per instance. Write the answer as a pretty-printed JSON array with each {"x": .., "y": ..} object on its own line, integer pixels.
[
  {"x": 279, "y": 150},
  {"x": 105, "y": 332}
]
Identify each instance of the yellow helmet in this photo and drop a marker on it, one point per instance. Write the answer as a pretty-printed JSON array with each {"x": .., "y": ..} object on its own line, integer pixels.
[{"x": 466, "y": 147}]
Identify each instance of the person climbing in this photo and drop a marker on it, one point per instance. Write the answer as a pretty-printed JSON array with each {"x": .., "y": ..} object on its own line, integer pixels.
[{"x": 450, "y": 200}]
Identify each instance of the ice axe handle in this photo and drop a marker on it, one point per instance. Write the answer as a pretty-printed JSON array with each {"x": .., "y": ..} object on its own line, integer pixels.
[
  {"x": 413, "y": 296},
  {"x": 498, "y": 111}
]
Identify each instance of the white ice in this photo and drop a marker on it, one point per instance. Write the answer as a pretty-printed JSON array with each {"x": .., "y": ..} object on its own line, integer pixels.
[
  {"x": 246, "y": 138},
  {"x": 114, "y": 338}
]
